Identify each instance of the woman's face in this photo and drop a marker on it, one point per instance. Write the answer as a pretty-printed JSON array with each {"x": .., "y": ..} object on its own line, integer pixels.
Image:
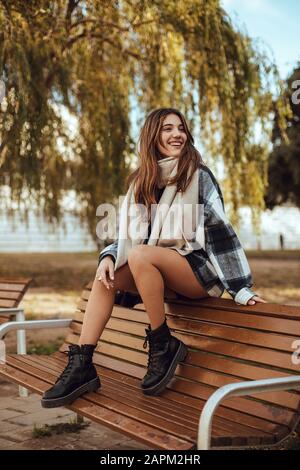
[{"x": 172, "y": 135}]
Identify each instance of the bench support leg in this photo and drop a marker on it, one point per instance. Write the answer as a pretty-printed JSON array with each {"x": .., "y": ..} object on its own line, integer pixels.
[{"x": 21, "y": 347}]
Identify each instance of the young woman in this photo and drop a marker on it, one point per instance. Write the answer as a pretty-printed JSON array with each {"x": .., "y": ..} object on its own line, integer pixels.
[{"x": 172, "y": 172}]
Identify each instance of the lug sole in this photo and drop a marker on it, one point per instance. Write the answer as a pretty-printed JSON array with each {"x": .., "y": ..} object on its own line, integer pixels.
[
  {"x": 158, "y": 388},
  {"x": 90, "y": 386}
]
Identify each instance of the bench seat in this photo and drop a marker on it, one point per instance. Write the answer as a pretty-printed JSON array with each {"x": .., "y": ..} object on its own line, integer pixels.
[
  {"x": 166, "y": 422},
  {"x": 227, "y": 343}
]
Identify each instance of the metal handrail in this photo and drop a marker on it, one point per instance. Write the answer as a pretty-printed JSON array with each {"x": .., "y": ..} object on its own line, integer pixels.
[
  {"x": 10, "y": 310},
  {"x": 237, "y": 390},
  {"x": 33, "y": 325},
  {"x": 21, "y": 325}
]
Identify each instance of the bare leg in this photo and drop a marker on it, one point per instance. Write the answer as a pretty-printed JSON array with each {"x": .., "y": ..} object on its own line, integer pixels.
[
  {"x": 80, "y": 374},
  {"x": 155, "y": 267},
  {"x": 100, "y": 304}
]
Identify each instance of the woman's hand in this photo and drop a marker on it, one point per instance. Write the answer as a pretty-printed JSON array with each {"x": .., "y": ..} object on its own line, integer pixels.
[
  {"x": 255, "y": 299},
  {"x": 105, "y": 271}
]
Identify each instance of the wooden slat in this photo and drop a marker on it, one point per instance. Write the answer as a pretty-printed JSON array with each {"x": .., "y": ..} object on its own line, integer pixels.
[
  {"x": 170, "y": 396},
  {"x": 273, "y": 413},
  {"x": 4, "y": 319},
  {"x": 261, "y": 334},
  {"x": 16, "y": 280},
  {"x": 13, "y": 286},
  {"x": 135, "y": 409},
  {"x": 227, "y": 343},
  {"x": 5, "y": 294},
  {"x": 267, "y": 309},
  {"x": 281, "y": 342},
  {"x": 265, "y": 356},
  {"x": 247, "y": 319},
  {"x": 256, "y": 422},
  {"x": 167, "y": 408},
  {"x": 6, "y": 303},
  {"x": 201, "y": 374},
  {"x": 169, "y": 425},
  {"x": 130, "y": 411},
  {"x": 138, "y": 400},
  {"x": 12, "y": 291},
  {"x": 118, "y": 422}
]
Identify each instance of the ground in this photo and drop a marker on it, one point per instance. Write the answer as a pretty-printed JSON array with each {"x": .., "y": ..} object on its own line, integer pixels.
[
  {"x": 23, "y": 423},
  {"x": 58, "y": 281}
]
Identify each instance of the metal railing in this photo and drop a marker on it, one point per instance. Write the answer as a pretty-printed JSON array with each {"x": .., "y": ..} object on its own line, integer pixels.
[
  {"x": 20, "y": 325},
  {"x": 237, "y": 390}
]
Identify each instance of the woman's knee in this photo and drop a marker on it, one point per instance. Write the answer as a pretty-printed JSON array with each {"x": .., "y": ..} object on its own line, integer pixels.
[{"x": 138, "y": 255}]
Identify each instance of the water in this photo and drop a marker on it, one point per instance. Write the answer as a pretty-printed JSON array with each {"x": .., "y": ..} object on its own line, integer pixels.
[{"x": 40, "y": 238}]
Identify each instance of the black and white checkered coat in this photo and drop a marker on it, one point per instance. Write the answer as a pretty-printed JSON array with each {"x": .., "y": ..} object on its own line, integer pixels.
[{"x": 222, "y": 264}]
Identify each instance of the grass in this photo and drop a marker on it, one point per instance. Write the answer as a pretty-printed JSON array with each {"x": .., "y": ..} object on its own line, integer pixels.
[
  {"x": 70, "y": 271},
  {"x": 45, "y": 348},
  {"x": 274, "y": 254},
  {"x": 48, "y": 430},
  {"x": 67, "y": 271},
  {"x": 50, "y": 303},
  {"x": 58, "y": 278}
]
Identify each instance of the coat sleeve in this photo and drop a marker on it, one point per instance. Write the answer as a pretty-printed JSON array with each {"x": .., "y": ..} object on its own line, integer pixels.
[
  {"x": 223, "y": 246},
  {"x": 111, "y": 250}
]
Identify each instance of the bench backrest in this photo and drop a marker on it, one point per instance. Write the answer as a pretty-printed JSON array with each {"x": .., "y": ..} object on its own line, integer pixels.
[
  {"x": 227, "y": 343},
  {"x": 12, "y": 291}
]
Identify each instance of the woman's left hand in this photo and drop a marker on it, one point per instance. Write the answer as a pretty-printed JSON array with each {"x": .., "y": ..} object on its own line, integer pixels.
[{"x": 255, "y": 299}]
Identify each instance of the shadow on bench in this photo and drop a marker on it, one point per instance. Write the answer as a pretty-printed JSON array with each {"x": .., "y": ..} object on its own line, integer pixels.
[{"x": 233, "y": 350}]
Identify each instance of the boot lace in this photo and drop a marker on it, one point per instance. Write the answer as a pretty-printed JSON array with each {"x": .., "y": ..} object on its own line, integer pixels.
[
  {"x": 155, "y": 351},
  {"x": 66, "y": 372}
]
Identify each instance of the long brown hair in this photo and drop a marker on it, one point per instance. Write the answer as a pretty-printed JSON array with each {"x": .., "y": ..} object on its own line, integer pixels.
[{"x": 147, "y": 174}]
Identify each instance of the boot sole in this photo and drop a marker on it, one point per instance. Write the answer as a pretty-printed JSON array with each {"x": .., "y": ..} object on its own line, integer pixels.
[
  {"x": 180, "y": 356},
  {"x": 91, "y": 386}
]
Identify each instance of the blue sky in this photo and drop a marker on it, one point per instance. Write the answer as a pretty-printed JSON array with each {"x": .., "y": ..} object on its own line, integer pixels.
[{"x": 276, "y": 22}]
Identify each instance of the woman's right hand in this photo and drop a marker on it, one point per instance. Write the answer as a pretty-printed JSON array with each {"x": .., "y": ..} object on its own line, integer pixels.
[{"x": 105, "y": 271}]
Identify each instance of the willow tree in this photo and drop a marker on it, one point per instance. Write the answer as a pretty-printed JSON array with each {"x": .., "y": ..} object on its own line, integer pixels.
[{"x": 87, "y": 59}]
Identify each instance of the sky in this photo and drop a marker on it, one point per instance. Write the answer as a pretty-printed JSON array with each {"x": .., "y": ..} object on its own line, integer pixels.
[{"x": 276, "y": 22}]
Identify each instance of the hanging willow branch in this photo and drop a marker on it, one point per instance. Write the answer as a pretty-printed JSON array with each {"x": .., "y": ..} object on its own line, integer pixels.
[{"x": 84, "y": 59}]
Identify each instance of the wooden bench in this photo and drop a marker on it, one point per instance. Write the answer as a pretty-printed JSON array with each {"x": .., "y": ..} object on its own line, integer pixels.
[
  {"x": 230, "y": 347},
  {"x": 12, "y": 291}
]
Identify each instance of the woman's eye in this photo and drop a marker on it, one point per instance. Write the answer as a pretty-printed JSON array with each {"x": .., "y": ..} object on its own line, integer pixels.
[{"x": 180, "y": 130}]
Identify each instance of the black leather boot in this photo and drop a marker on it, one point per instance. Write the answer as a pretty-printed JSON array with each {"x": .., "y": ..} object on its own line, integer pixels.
[
  {"x": 165, "y": 352},
  {"x": 79, "y": 376}
]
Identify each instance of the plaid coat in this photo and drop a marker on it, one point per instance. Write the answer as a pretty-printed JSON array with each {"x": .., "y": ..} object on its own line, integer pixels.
[{"x": 222, "y": 264}]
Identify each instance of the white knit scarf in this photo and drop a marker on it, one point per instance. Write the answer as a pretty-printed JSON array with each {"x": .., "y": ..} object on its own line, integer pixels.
[{"x": 177, "y": 218}]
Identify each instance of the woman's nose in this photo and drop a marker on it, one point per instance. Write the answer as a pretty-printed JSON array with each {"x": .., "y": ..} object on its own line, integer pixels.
[{"x": 175, "y": 134}]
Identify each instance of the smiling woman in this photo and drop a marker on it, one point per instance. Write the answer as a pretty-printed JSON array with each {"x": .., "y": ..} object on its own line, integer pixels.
[
  {"x": 172, "y": 137},
  {"x": 168, "y": 161}
]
